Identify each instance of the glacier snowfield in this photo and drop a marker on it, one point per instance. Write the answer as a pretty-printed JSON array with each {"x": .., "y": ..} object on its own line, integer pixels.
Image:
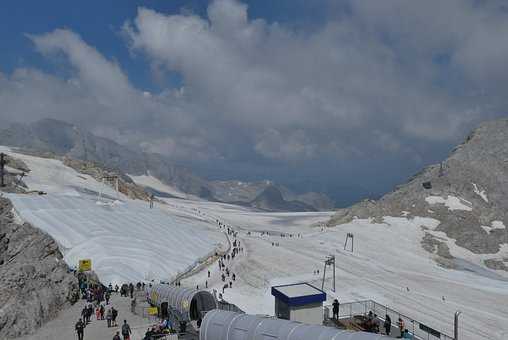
[{"x": 127, "y": 241}]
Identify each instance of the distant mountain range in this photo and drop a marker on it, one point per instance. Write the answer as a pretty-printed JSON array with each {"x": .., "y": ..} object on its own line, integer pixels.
[
  {"x": 63, "y": 139},
  {"x": 467, "y": 193}
]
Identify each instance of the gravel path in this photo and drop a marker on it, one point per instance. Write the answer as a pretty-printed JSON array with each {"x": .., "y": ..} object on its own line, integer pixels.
[{"x": 62, "y": 328}]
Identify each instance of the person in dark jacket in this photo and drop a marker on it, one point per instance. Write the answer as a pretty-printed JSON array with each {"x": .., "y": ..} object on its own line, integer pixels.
[
  {"x": 387, "y": 324},
  {"x": 117, "y": 336},
  {"x": 126, "y": 330},
  {"x": 114, "y": 314},
  {"x": 335, "y": 309},
  {"x": 80, "y": 329}
]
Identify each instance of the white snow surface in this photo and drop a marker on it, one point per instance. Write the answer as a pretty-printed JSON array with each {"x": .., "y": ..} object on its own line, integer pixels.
[
  {"x": 480, "y": 193},
  {"x": 126, "y": 241},
  {"x": 494, "y": 225},
  {"x": 387, "y": 261},
  {"x": 154, "y": 183},
  {"x": 452, "y": 202}
]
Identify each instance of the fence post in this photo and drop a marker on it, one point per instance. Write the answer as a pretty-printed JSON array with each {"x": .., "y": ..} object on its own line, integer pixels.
[{"x": 456, "y": 325}]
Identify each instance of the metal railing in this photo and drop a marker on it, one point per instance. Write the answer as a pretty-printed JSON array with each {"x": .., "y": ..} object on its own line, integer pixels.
[
  {"x": 224, "y": 305},
  {"x": 417, "y": 329}
]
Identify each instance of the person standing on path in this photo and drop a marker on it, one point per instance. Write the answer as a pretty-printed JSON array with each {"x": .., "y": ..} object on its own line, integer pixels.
[
  {"x": 80, "y": 329},
  {"x": 114, "y": 314},
  {"x": 109, "y": 317},
  {"x": 401, "y": 327},
  {"x": 126, "y": 330},
  {"x": 117, "y": 336},
  {"x": 388, "y": 324},
  {"x": 335, "y": 309}
]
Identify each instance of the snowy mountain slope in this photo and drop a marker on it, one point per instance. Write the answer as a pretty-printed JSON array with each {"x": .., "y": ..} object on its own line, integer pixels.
[
  {"x": 467, "y": 193},
  {"x": 125, "y": 239},
  {"x": 63, "y": 139},
  {"x": 151, "y": 182},
  {"x": 55, "y": 137},
  {"x": 388, "y": 265}
]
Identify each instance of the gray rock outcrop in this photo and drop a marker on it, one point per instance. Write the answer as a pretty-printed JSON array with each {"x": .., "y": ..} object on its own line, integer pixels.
[
  {"x": 34, "y": 280},
  {"x": 476, "y": 174}
]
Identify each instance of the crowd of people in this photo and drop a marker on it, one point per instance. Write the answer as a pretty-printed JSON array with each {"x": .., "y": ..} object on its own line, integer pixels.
[
  {"x": 97, "y": 301},
  {"x": 225, "y": 261},
  {"x": 159, "y": 330}
]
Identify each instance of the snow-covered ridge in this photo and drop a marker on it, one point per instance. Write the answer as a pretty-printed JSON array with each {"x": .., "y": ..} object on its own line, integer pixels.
[
  {"x": 154, "y": 183},
  {"x": 480, "y": 193},
  {"x": 126, "y": 240},
  {"x": 452, "y": 202}
]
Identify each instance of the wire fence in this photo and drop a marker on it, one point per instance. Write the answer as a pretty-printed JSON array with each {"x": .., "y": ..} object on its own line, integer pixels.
[{"x": 362, "y": 308}]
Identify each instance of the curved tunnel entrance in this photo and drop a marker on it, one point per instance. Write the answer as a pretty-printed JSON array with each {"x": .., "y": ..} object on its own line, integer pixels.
[
  {"x": 201, "y": 303},
  {"x": 188, "y": 303}
]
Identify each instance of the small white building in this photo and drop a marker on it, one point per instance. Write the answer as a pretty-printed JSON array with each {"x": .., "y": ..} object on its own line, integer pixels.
[{"x": 299, "y": 302}]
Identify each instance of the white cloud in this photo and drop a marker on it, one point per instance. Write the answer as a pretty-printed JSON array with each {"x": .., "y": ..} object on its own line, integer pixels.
[{"x": 367, "y": 83}]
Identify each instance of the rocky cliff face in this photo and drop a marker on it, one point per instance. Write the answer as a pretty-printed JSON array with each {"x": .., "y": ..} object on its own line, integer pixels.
[
  {"x": 467, "y": 193},
  {"x": 34, "y": 280}
]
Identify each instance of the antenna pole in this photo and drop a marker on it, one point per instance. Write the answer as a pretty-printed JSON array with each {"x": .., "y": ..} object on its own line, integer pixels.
[
  {"x": 324, "y": 276},
  {"x": 2, "y": 169},
  {"x": 333, "y": 257}
]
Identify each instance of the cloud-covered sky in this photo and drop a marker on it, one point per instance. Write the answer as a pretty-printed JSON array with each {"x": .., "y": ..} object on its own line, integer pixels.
[{"x": 350, "y": 95}]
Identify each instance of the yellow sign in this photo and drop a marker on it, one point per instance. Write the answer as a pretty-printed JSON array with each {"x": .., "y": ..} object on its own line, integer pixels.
[
  {"x": 85, "y": 265},
  {"x": 152, "y": 311},
  {"x": 185, "y": 304}
]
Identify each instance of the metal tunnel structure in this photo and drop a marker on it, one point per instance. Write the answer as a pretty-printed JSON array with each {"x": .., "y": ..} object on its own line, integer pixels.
[
  {"x": 222, "y": 325},
  {"x": 188, "y": 304}
]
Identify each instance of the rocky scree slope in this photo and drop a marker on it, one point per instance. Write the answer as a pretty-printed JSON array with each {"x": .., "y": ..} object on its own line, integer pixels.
[
  {"x": 467, "y": 193},
  {"x": 34, "y": 280}
]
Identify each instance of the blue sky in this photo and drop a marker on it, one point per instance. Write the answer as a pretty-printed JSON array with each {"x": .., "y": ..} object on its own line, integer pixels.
[
  {"x": 349, "y": 97},
  {"x": 100, "y": 22}
]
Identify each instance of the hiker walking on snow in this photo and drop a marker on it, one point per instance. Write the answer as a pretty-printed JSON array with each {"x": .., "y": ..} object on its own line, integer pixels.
[{"x": 80, "y": 329}]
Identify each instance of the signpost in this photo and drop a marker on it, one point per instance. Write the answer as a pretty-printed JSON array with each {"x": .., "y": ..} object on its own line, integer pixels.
[
  {"x": 85, "y": 265},
  {"x": 152, "y": 311}
]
